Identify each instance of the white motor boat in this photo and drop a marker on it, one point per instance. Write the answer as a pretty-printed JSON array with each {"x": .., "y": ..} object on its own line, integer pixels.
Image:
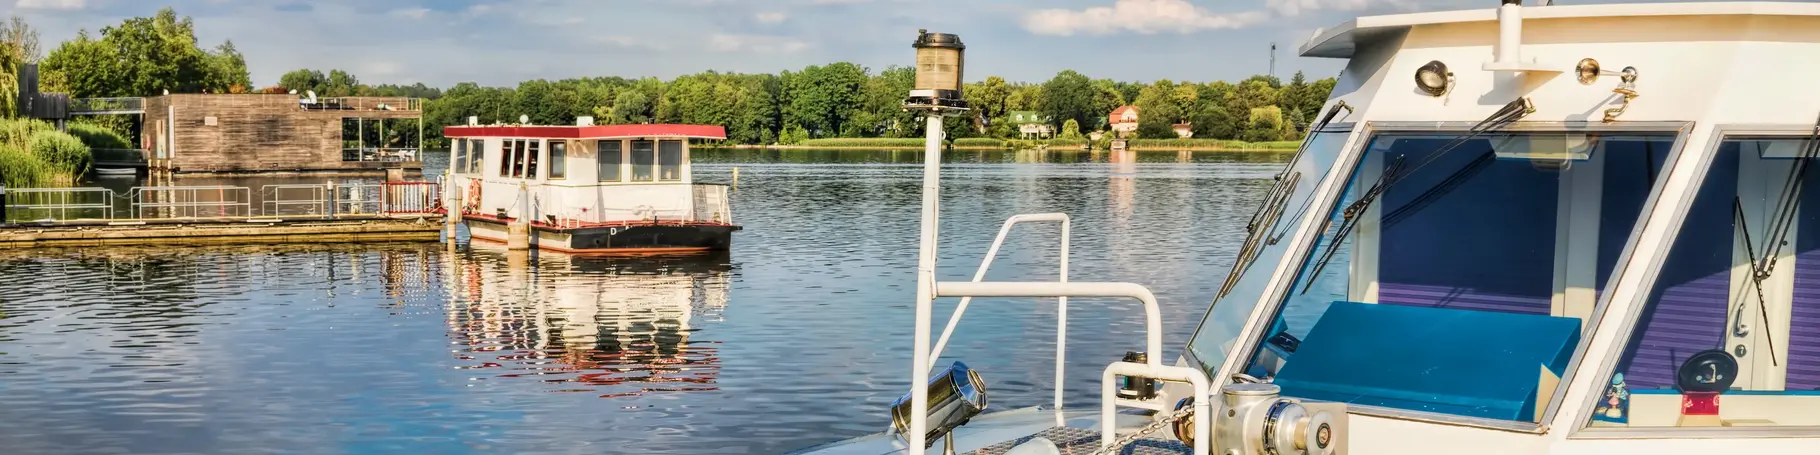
[{"x": 1524, "y": 230}]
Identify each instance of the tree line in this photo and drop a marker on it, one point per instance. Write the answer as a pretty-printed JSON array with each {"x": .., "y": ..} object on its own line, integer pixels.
[{"x": 146, "y": 56}]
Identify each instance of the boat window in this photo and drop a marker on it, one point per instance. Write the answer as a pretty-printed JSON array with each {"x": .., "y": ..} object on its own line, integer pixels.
[
  {"x": 508, "y": 158},
  {"x": 559, "y": 151},
  {"x": 669, "y": 160},
  {"x": 612, "y": 157},
  {"x": 1733, "y": 316},
  {"x": 477, "y": 152},
  {"x": 643, "y": 161},
  {"x": 1286, "y": 201},
  {"x": 531, "y": 154},
  {"x": 458, "y": 155},
  {"x": 1455, "y": 274}
]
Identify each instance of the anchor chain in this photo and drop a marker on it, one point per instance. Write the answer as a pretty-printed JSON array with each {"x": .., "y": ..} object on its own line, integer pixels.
[{"x": 1154, "y": 426}]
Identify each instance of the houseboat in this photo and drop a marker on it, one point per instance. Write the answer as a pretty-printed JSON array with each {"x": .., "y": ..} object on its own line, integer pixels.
[
  {"x": 589, "y": 188},
  {"x": 1564, "y": 230},
  {"x": 261, "y": 134}
]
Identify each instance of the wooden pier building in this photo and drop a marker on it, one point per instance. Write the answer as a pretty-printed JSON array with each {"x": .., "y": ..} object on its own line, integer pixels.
[{"x": 244, "y": 134}]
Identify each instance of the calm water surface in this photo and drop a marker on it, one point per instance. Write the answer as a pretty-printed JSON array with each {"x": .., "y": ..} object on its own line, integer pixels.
[{"x": 798, "y": 336}]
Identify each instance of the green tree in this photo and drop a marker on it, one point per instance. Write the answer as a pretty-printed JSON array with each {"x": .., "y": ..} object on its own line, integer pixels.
[
  {"x": 304, "y": 80},
  {"x": 988, "y": 98},
  {"x": 227, "y": 71},
  {"x": 823, "y": 99},
  {"x": 1213, "y": 121},
  {"x": 143, "y": 56},
  {"x": 1159, "y": 108},
  {"x": 1071, "y": 129},
  {"x": 1266, "y": 124},
  {"x": 1068, "y": 95}
]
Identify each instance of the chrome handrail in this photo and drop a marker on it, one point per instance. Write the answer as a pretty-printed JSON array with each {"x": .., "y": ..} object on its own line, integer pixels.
[{"x": 1061, "y": 324}]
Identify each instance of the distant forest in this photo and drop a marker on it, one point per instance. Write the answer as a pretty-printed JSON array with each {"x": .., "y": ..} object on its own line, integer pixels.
[{"x": 147, "y": 55}]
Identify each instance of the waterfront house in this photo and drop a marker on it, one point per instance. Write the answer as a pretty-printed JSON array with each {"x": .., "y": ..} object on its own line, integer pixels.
[
  {"x": 1124, "y": 121},
  {"x": 256, "y": 133},
  {"x": 1031, "y": 125}
]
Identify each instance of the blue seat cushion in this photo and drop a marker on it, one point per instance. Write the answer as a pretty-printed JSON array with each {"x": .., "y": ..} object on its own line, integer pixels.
[{"x": 1452, "y": 361}]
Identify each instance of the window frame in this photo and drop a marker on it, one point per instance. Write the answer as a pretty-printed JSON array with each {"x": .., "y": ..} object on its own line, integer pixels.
[
  {"x": 477, "y": 151},
  {"x": 632, "y": 160},
  {"x": 559, "y": 161},
  {"x": 682, "y": 159},
  {"x": 1582, "y": 429},
  {"x": 458, "y": 155},
  {"x": 619, "y": 166},
  {"x": 533, "y": 150},
  {"x": 1333, "y": 188},
  {"x": 505, "y": 158}
]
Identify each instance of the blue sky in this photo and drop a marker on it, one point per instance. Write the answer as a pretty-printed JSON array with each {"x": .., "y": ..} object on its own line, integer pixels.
[{"x": 501, "y": 42}]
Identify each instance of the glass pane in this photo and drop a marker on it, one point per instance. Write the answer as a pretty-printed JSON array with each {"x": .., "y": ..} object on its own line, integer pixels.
[
  {"x": 531, "y": 154},
  {"x": 508, "y": 158},
  {"x": 643, "y": 169},
  {"x": 559, "y": 151},
  {"x": 669, "y": 160},
  {"x": 1281, "y": 214},
  {"x": 1457, "y": 280},
  {"x": 1735, "y": 308},
  {"x": 459, "y": 156},
  {"x": 611, "y": 157},
  {"x": 477, "y": 155}
]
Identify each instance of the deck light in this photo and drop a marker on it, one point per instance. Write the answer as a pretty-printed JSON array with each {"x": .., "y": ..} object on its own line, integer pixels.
[
  {"x": 1434, "y": 78},
  {"x": 955, "y": 396},
  {"x": 940, "y": 60}
]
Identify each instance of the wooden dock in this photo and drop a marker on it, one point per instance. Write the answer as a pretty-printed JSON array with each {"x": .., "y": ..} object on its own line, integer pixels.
[{"x": 221, "y": 231}]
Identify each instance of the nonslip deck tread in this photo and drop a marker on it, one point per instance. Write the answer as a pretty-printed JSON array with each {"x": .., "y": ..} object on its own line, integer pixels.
[{"x": 1077, "y": 441}]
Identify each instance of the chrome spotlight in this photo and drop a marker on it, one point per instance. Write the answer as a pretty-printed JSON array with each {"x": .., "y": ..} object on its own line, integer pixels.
[
  {"x": 955, "y": 396},
  {"x": 1434, "y": 78}
]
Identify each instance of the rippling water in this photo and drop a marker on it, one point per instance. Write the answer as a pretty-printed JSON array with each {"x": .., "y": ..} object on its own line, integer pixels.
[{"x": 798, "y": 336}]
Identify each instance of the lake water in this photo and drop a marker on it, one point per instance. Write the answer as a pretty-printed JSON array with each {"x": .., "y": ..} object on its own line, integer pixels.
[{"x": 798, "y": 336}]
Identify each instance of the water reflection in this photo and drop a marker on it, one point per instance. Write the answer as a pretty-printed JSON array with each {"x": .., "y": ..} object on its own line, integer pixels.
[{"x": 618, "y": 326}]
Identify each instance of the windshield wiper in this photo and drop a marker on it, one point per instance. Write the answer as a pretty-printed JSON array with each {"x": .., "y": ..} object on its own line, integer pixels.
[
  {"x": 1510, "y": 113},
  {"x": 1262, "y": 227}
]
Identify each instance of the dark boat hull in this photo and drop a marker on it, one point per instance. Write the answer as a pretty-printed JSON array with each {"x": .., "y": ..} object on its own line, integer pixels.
[{"x": 632, "y": 238}]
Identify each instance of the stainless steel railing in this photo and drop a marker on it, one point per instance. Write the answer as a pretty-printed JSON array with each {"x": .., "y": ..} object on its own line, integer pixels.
[
  {"x": 213, "y": 202},
  {"x": 711, "y": 204},
  {"x": 24, "y": 204}
]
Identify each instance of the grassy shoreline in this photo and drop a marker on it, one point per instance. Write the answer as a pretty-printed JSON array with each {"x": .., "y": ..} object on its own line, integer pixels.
[{"x": 979, "y": 144}]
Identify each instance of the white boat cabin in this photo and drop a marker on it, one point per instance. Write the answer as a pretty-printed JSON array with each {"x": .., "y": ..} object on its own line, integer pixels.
[{"x": 580, "y": 176}]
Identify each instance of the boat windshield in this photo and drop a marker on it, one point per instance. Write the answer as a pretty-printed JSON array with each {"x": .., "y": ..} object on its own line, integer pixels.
[
  {"x": 1281, "y": 214},
  {"x": 1455, "y": 272}
]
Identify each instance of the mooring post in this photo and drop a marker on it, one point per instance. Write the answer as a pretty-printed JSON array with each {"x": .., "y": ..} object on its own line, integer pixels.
[
  {"x": 735, "y": 178},
  {"x": 518, "y": 231},
  {"x": 333, "y": 205}
]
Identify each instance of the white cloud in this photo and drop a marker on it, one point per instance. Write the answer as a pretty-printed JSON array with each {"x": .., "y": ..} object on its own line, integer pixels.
[
  {"x": 51, "y": 4},
  {"x": 760, "y": 44},
  {"x": 413, "y": 13},
  {"x": 628, "y": 42},
  {"x": 771, "y": 17},
  {"x": 1297, "y": 7},
  {"x": 1140, "y": 16}
]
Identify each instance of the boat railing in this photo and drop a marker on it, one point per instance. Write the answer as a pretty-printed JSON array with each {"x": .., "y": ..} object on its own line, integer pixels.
[
  {"x": 1061, "y": 314},
  {"x": 1152, "y": 367},
  {"x": 711, "y": 204}
]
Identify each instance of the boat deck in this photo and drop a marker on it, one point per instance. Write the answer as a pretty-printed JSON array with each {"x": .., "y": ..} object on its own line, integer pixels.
[{"x": 1080, "y": 441}]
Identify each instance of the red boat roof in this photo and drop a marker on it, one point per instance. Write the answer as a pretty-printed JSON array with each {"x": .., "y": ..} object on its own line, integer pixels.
[{"x": 587, "y": 132}]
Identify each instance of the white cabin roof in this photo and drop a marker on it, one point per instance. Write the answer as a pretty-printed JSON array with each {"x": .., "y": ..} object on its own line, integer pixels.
[{"x": 1342, "y": 40}]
